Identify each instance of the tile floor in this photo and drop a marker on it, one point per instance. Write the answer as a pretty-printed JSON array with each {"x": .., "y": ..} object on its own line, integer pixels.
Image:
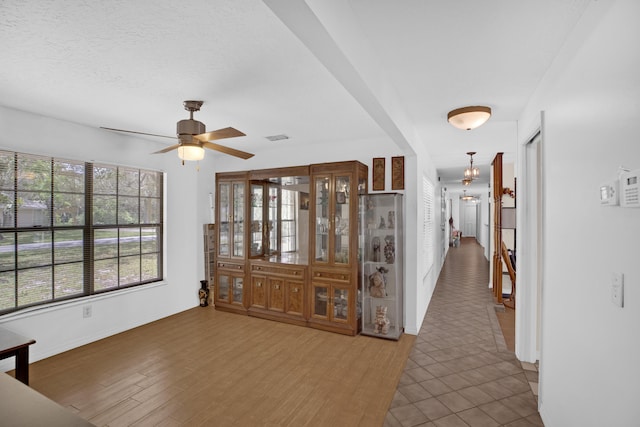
[{"x": 460, "y": 372}]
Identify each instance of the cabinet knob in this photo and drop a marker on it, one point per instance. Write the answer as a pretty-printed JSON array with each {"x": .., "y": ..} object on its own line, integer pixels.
[
  {"x": 277, "y": 286},
  {"x": 259, "y": 285},
  {"x": 317, "y": 274},
  {"x": 258, "y": 268},
  {"x": 344, "y": 277},
  {"x": 239, "y": 267},
  {"x": 295, "y": 289},
  {"x": 295, "y": 273}
]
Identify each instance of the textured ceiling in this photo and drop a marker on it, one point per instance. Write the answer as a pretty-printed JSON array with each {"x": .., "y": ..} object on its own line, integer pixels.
[{"x": 263, "y": 68}]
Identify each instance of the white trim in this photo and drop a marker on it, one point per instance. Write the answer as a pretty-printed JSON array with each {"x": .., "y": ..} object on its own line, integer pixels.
[{"x": 527, "y": 250}]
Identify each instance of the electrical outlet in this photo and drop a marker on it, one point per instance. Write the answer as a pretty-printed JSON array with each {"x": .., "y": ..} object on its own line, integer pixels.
[
  {"x": 617, "y": 289},
  {"x": 86, "y": 311}
]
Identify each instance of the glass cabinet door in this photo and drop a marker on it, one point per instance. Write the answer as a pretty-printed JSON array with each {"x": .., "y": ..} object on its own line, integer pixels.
[
  {"x": 223, "y": 209},
  {"x": 237, "y": 290},
  {"x": 342, "y": 220},
  {"x": 340, "y": 304},
  {"x": 322, "y": 219},
  {"x": 320, "y": 301},
  {"x": 257, "y": 223},
  {"x": 238, "y": 219},
  {"x": 272, "y": 225},
  {"x": 223, "y": 288}
]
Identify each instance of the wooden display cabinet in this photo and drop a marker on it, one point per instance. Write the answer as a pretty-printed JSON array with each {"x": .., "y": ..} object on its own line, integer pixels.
[
  {"x": 334, "y": 303},
  {"x": 231, "y": 201},
  {"x": 295, "y": 259}
]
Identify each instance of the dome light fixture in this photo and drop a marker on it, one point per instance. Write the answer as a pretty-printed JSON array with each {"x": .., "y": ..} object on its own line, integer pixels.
[
  {"x": 467, "y": 198},
  {"x": 190, "y": 151},
  {"x": 467, "y": 118}
]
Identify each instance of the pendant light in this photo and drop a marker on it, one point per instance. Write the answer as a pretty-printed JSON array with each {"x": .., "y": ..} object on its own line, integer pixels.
[{"x": 471, "y": 172}]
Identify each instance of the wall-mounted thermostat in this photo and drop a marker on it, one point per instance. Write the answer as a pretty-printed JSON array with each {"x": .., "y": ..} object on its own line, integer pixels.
[
  {"x": 609, "y": 193},
  {"x": 630, "y": 189}
]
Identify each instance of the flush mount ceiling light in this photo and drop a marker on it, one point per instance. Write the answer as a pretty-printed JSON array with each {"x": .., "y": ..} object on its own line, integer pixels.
[
  {"x": 471, "y": 172},
  {"x": 467, "y": 198},
  {"x": 468, "y": 118}
]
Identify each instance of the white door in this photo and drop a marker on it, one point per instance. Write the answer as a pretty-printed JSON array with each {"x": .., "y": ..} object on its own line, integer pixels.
[{"x": 470, "y": 213}]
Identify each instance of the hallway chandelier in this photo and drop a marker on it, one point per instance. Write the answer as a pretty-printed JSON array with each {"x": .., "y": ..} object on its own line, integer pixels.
[
  {"x": 471, "y": 172},
  {"x": 467, "y": 198},
  {"x": 467, "y": 118}
]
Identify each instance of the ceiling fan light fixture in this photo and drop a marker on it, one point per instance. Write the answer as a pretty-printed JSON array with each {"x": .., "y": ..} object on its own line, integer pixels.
[
  {"x": 190, "y": 151},
  {"x": 468, "y": 118}
]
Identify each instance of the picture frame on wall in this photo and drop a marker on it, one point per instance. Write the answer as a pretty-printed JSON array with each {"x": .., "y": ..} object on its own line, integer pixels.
[
  {"x": 397, "y": 173},
  {"x": 378, "y": 174}
]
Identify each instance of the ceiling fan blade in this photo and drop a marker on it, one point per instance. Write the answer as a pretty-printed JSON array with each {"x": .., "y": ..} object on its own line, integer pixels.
[
  {"x": 165, "y": 150},
  {"x": 219, "y": 134},
  {"x": 227, "y": 150},
  {"x": 139, "y": 133}
]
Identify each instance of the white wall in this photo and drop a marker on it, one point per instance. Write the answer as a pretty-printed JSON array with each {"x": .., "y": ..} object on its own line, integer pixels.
[
  {"x": 61, "y": 327},
  {"x": 589, "y": 370}
]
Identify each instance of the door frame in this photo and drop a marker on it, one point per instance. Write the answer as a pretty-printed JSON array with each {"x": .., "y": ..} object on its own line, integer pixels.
[{"x": 529, "y": 247}]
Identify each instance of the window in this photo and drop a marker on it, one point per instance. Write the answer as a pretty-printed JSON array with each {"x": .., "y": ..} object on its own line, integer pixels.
[
  {"x": 288, "y": 208},
  {"x": 70, "y": 229}
]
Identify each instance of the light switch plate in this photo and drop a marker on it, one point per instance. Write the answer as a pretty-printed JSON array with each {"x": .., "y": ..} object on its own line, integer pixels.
[{"x": 617, "y": 289}]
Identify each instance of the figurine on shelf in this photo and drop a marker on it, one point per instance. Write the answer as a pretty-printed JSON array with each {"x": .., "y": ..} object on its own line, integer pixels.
[
  {"x": 375, "y": 246},
  {"x": 382, "y": 225},
  {"x": 389, "y": 249},
  {"x": 378, "y": 283},
  {"x": 391, "y": 220},
  {"x": 381, "y": 323}
]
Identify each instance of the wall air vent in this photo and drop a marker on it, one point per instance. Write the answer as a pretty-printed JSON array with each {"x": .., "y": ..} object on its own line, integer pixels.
[{"x": 280, "y": 137}]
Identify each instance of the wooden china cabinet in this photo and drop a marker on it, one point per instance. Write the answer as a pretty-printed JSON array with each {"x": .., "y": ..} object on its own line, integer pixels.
[
  {"x": 334, "y": 264},
  {"x": 288, "y": 244},
  {"x": 231, "y": 255}
]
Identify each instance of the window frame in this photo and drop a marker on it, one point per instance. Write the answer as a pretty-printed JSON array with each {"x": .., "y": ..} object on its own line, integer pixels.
[{"x": 61, "y": 222}]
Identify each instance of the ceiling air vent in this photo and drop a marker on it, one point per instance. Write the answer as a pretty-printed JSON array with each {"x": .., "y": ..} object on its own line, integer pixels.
[{"x": 280, "y": 137}]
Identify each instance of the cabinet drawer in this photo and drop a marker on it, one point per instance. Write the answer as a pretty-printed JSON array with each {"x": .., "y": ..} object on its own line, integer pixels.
[
  {"x": 332, "y": 275},
  {"x": 230, "y": 265},
  {"x": 297, "y": 272}
]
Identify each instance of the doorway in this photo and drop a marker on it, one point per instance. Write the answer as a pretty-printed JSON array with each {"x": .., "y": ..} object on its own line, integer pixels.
[
  {"x": 530, "y": 247},
  {"x": 469, "y": 219}
]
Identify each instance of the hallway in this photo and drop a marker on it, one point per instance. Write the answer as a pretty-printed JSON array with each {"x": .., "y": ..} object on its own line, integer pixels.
[{"x": 460, "y": 372}]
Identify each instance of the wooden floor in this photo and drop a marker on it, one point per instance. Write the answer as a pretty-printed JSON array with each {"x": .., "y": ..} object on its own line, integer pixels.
[{"x": 206, "y": 367}]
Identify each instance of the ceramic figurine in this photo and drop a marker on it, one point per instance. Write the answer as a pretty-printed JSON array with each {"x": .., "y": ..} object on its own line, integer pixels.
[
  {"x": 375, "y": 246},
  {"x": 378, "y": 283},
  {"x": 381, "y": 323},
  {"x": 382, "y": 225},
  {"x": 391, "y": 220},
  {"x": 389, "y": 250}
]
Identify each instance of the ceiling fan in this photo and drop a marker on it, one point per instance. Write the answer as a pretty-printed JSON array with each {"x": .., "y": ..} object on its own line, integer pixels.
[{"x": 193, "y": 138}]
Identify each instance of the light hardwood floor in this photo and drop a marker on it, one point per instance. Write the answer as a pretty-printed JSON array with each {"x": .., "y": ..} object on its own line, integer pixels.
[{"x": 206, "y": 367}]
